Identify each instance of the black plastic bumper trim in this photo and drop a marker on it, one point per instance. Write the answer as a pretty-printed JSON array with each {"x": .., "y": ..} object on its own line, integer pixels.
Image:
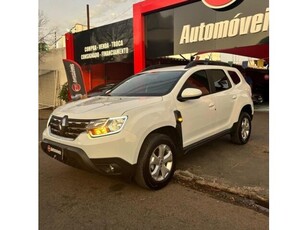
[{"x": 77, "y": 158}]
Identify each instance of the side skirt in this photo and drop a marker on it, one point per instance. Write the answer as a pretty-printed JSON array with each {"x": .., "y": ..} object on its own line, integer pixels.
[{"x": 206, "y": 140}]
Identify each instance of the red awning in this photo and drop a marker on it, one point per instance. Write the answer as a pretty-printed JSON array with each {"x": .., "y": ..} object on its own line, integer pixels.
[{"x": 255, "y": 51}]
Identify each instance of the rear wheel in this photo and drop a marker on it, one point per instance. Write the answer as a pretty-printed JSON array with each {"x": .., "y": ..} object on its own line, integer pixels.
[
  {"x": 242, "y": 129},
  {"x": 156, "y": 164}
]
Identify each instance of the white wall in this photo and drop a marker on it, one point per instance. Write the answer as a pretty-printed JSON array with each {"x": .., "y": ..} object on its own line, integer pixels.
[{"x": 53, "y": 60}]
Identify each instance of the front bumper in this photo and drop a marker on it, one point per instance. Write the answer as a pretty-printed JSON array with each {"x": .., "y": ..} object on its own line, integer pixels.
[{"x": 77, "y": 158}]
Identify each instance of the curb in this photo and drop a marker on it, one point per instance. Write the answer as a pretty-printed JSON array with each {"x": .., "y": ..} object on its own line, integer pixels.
[{"x": 251, "y": 196}]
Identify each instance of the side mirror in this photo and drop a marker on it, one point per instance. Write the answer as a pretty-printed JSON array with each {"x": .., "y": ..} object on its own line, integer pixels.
[{"x": 189, "y": 94}]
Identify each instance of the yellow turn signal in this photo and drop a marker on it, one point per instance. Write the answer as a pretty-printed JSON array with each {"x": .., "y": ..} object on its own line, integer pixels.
[
  {"x": 99, "y": 131},
  {"x": 179, "y": 119}
]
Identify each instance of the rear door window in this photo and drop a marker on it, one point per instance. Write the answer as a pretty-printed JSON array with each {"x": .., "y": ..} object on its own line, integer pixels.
[
  {"x": 219, "y": 79},
  {"x": 234, "y": 77}
]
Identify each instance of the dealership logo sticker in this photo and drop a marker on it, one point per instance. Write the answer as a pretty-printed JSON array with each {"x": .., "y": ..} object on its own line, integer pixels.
[
  {"x": 50, "y": 149},
  {"x": 218, "y": 4}
]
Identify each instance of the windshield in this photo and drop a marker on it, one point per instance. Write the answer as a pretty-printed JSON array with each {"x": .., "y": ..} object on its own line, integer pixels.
[{"x": 148, "y": 84}]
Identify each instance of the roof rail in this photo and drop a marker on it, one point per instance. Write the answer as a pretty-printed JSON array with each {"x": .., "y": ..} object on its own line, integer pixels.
[{"x": 205, "y": 62}]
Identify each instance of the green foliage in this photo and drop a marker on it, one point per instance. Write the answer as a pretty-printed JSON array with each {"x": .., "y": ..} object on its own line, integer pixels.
[
  {"x": 63, "y": 95},
  {"x": 42, "y": 46}
]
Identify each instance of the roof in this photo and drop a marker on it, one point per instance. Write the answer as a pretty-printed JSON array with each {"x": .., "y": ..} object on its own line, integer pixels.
[
  {"x": 186, "y": 67},
  {"x": 169, "y": 68}
]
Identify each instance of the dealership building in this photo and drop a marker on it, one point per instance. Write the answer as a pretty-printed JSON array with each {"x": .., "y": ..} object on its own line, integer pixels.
[{"x": 168, "y": 31}]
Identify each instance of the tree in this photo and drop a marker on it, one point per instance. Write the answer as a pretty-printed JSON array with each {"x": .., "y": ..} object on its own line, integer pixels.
[
  {"x": 63, "y": 94},
  {"x": 46, "y": 35}
]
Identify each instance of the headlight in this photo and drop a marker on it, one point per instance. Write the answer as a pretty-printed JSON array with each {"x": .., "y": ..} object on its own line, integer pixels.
[{"x": 105, "y": 127}]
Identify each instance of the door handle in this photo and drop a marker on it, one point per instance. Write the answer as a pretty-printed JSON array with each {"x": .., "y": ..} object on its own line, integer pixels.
[
  {"x": 211, "y": 105},
  {"x": 234, "y": 97}
]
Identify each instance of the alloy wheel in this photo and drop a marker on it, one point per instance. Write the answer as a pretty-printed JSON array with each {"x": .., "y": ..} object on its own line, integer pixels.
[
  {"x": 161, "y": 162},
  {"x": 245, "y": 128}
]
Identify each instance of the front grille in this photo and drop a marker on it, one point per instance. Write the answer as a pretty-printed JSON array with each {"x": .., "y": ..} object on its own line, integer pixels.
[{"x": 72, "y": 130}]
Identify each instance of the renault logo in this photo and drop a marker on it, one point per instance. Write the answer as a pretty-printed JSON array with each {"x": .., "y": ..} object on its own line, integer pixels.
[{"x": 63, "y": 125}]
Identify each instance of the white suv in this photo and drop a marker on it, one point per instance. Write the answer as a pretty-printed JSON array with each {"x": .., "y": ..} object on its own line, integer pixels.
[{"x": 139, "y": 128}]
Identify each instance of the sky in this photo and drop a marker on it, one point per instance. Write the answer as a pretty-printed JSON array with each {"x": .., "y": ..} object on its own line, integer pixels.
[{"x": 65, "y": 14}]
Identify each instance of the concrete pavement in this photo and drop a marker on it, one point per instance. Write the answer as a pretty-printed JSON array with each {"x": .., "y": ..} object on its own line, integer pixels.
[{"x": 239, "y": 171}]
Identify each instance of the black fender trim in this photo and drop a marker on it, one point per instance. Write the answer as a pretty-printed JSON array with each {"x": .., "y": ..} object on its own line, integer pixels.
[{"x": 179, "y": 120}]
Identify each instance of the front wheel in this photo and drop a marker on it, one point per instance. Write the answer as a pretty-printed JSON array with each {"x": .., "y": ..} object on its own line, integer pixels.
[
  {"x": 156, "y": 164},
  {"x": 242, "y": 129}
]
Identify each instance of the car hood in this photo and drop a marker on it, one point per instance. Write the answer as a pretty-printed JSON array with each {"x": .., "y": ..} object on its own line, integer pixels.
[{"x": 103, "y": 106}]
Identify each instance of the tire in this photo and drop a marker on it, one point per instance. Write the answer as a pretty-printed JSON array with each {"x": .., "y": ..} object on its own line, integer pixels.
[
  {"x": 156, "y": 163},
  {"x": 242, "y": 129}
]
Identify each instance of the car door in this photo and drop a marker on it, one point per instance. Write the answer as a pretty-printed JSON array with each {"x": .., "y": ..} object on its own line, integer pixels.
[
  {"x": 198, "y": 114},
  {"x": 224, "y": 97}
]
